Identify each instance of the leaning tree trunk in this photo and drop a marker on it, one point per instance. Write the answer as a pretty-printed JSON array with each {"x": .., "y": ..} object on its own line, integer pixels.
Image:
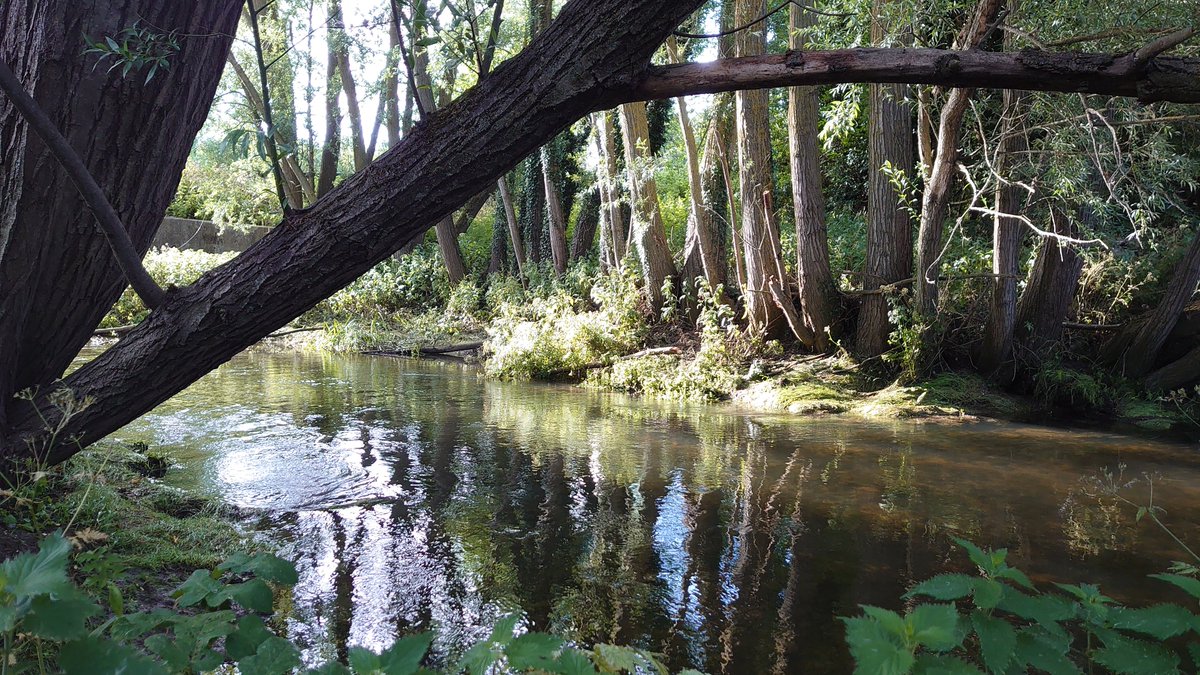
[
  {"x": 58, "y": 276},
  {"x": 649, "y": 234},
  {"x": 936, "y": 201},
  {"x": 1136, "y": 354},
  {"x": 554, "y": 212},
  {"x": 759, "y": 237},
  {"x": 346, "y": 74},
  {"x": 818, "y": 292},
  {"x": 889, "y": 227},
  {"x": 1006, "y": 239},
  {"x": 699, "y": 254},
  {"x": 1046, "y": 302}
]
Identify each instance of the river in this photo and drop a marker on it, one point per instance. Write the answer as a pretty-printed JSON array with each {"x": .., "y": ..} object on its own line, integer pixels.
[{"x": 416, "y": 494}]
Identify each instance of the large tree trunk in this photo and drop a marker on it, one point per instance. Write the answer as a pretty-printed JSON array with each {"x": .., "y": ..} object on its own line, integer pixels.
[
  {"x": 1046, "y": 302},
  {"x": 889, "y": 227},
  {"x": 649, "y": 234},
  {"x": 818, "y": 292},
  {"x": 936, "y": 201},
  {"x": 58, "y": 275},
  {"x": 514, "y": 227},
  {"x": 759, "y": 236},
  {"x": 1006, "y": 240}
]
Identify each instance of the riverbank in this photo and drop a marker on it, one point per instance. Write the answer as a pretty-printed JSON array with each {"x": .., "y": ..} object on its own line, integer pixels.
[{"x": 136, "y": 539}]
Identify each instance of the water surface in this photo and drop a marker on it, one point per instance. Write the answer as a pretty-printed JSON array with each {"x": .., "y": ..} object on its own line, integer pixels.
[{"x": 415, "y": 494}]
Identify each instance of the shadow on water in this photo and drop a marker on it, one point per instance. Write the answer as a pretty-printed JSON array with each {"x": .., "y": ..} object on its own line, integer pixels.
[{"x": 416, "y": 494}]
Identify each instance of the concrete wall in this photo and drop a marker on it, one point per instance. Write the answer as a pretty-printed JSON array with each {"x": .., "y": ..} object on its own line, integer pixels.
[{"x": 202, "y": 235}]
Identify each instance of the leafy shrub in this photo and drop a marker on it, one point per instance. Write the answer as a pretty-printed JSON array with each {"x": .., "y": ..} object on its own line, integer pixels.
[
  {"x": 169, "y": 267},
  {"x": 549, "y": 337},
  {"x": 230, "y": 193},
  {"x": 414, "y": 282},
  {"x": 222, "y": 618},
  {"x": 998, "y": 622}
]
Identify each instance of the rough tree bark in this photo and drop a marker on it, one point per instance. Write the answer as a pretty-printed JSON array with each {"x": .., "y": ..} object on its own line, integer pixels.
[
  {"x": 648, "y": 233},
  {"x": 1006, "y": 239},
  {"x": 1046, "y": 302},
  {"x": 759, "y": 237},
  {"x": 57, "y": 274},
  {"x": 818, "y": 292},
  {"x": 554, "y": 212},
  {"x": 889, "y": 226}
]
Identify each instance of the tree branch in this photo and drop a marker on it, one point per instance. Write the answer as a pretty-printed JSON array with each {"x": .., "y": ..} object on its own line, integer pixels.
[
  {"x": 107, "y": 219},
  {"x": 1161, "y": 79}
]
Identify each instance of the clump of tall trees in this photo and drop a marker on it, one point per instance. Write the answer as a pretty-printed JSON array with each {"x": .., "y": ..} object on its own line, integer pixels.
[{"x": 983, "y": 184}]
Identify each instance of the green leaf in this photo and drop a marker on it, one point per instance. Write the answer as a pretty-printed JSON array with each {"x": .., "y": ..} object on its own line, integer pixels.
[
  {"x": 574, "y": 662},
  {"x": 132, "y": 626},
  {"x": 533, "y": 651},
  {"x": 255, "y": 595},
  {"x": 1037, "y": 650},
  {"x": 997, "y": 641},
  {"x": 502, "y": 632},
  {"x": 250, "y": 634},
  {"x": 60, "y": 617},
  {"x": 1016, "y": 576},
  {"x": 275, "y": 656},
  {"x": 976, "y": 554},
  {"x": 876, "y": 652},
  {"x": 889, "y": 620},
  {"x": 1190, "y": 585},
  {"x": 935, "y": 626},
  {"x": 404, "y": 657},
  {"x": 1043, "y": 609},
  {"x": 1159, "y": 621},
  {"x": 478, "y": 658},
  {"x": 197, "y": 589},
  {"x": 988, "y": 593},
  {"x": 612, "y": 658},
  {"x": 274, "y": 569},
  {"x": 28, "y": 575},
  {"x": 1128, "y": 656},
  {"x": 944, "y": 587},
  {"x": 331, "y": 668},
  {"x": 943, "y": 664},
  {"x": 428, "y": 42},
  {"x": 363, "y": 661},
  {"x": 93, "y": 655}
]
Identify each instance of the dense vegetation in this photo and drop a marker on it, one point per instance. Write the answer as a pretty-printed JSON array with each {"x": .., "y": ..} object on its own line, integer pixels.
[{"x": 1088, "y": 203}]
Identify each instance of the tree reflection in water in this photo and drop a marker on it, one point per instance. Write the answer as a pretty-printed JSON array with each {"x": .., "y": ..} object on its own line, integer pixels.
[{"x": 415, "y": 494}]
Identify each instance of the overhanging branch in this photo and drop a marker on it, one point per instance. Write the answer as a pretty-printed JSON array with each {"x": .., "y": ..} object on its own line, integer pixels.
[
  {"x": 110, "y": 224},
  {"x": 1160, "y": 79}
]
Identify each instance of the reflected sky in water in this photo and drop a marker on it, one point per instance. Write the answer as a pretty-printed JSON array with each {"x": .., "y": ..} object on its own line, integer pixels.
[{"x": 416, "y": 494}]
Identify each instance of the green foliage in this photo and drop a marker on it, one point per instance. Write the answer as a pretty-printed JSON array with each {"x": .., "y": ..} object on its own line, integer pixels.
[
  {"x": 557, "y": 335},
  {"x": 136, "y": 48},
  {"x": 168, "y": 267},
  {"x": 997, "y": 622},
  {"x": 231, "y": 192},
  {"x": 221, "y": 618}
]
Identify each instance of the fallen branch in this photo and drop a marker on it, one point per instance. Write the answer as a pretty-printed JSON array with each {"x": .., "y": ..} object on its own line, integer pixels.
[
  {"x": 1091, "y": 326},
  {"x": 114, "y": 332},
  {"x": 428, "y": 351},
  {"x": 285, "y": 333},
  {"x": 597, "y": 365}
]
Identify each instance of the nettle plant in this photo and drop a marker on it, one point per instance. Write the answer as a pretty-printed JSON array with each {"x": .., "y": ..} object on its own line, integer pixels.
[
  {"x": 222, "y": 618},
  {"x": 998, "y": 622}
]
